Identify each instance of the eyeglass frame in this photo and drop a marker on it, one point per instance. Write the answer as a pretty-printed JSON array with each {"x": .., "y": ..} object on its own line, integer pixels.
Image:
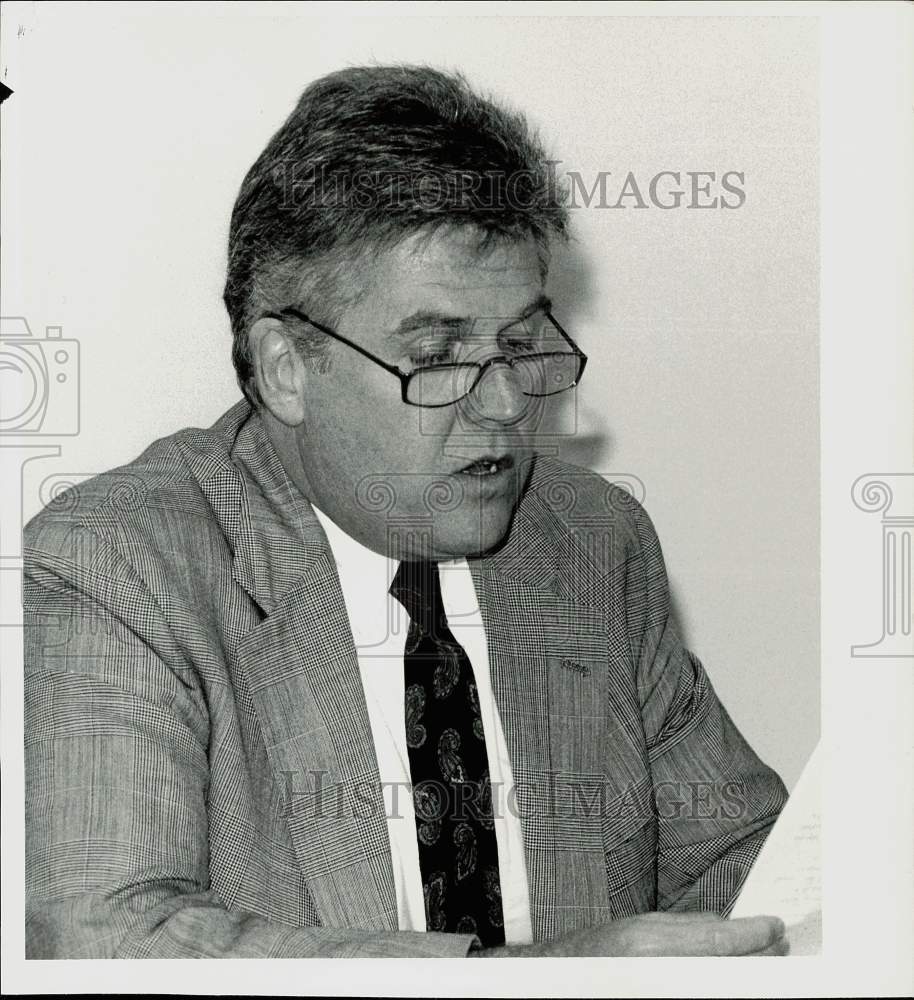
[{"x": 483, "y": 366}]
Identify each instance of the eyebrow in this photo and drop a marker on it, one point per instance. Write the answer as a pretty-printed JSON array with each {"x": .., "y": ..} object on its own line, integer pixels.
[{"x": 424, "y": 318}]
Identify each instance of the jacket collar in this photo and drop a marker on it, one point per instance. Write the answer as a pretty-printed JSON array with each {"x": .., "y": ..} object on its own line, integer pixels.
[{"x": 275, "y": 536}]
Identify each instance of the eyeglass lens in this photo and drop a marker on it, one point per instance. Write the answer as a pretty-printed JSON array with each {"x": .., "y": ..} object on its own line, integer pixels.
[{"x": 538, "y": 375}]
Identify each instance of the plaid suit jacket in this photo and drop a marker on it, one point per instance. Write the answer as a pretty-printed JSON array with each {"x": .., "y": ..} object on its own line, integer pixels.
[{"x": 193, "y": 692}]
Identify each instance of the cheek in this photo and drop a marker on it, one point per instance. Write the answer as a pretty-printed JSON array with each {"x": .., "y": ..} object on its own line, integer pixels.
[
  {"x": 412, "y": 438},
  {"x": 380, "y": 435}
]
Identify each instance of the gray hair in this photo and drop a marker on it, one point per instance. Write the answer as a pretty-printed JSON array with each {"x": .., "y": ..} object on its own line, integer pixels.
[{"x": 368, "y": 156}]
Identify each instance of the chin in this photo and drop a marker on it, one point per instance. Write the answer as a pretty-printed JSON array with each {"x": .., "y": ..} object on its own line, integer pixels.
[{"x": 464, "y": 534}]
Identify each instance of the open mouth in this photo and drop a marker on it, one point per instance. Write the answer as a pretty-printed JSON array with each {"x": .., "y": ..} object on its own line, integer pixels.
[{"x": 487, "y": 465}]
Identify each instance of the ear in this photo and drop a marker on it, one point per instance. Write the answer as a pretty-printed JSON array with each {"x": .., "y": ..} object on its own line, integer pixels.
[{"x": 280, "y": 373}]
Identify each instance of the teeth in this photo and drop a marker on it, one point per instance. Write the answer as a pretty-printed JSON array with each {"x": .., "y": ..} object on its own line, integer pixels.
[{"x": 482, "y": 469}]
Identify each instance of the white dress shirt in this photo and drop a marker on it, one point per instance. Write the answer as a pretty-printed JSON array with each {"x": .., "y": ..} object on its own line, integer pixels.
[{"x": 379, "y": 626}]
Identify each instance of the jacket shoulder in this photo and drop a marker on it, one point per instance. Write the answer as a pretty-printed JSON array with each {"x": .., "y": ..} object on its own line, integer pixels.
[
  {"x": 580, "y": 501},
  {"x": 170, "y": 479},
  {"x": 600, "y": 540}
]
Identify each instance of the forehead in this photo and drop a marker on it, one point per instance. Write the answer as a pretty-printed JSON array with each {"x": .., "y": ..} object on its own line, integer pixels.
[{"x": 451, "y": 273}]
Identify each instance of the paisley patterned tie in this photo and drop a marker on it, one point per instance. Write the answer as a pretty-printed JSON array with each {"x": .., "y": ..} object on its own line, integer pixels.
[{"x": 458, "y": 855}]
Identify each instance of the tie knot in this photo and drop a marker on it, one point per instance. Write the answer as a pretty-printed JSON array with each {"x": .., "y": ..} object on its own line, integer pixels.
[{"x": 417, "y": 587}]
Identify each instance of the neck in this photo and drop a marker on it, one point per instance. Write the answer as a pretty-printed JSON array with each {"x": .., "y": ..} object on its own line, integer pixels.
[{"x": 283, "y": 439}]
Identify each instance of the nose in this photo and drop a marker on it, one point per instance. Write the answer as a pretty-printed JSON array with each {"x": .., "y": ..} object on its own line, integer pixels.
[{"x": 498, "y": 396}]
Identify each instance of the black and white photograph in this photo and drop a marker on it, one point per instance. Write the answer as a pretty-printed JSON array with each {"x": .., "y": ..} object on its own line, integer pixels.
[{"x": 458, "y": 482}]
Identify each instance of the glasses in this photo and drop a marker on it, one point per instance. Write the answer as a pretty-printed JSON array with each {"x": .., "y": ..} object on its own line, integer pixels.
[{"x": 538, "y": 374}]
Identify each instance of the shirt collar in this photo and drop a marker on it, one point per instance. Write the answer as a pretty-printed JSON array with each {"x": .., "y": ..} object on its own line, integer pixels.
[
  {"x": 356, "y": 564},
  {"x": 377, "y": 620},
  {"x": 353, "y": 559}
]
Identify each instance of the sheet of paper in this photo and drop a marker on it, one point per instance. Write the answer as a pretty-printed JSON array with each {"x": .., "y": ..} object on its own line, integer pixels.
[{"x": 786, "y": 879}]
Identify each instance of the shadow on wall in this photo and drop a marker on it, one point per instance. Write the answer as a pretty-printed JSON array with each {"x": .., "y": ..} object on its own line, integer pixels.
[{"x": 582, "y": 436}]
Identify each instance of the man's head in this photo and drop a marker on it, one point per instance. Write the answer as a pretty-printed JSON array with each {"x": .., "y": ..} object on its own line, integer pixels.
[{"x": 412, "y": 218}]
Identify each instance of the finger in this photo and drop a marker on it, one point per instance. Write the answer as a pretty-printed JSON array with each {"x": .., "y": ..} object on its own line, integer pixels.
[{"x": 745, "y": 935}]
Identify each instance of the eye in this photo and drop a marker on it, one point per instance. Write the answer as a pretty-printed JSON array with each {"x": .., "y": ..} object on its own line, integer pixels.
[
  {"x": 526, "y": 337},
  {"x": 521, "y": 345},
  {"x": 434, "y": 349},
  {"x": 425, "y": 359}
]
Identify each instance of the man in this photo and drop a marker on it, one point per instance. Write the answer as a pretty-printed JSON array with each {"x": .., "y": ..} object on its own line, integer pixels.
[{"x": 364, "y": 580}]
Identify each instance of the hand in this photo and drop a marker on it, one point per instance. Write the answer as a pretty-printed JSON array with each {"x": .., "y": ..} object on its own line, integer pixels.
[{"x": 659, "y": 934}]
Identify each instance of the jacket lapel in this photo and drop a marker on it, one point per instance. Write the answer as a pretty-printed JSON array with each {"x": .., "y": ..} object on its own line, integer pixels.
[
  {"x": 570, "y": 728},
  {"x": 302, "y": 670},
  {"x": 304, "y": 678}
]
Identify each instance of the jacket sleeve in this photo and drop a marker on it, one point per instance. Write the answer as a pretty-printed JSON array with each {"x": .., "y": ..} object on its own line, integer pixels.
[
  {"x": 116, "y": 779},
  {"x": 715, "y": 799}
]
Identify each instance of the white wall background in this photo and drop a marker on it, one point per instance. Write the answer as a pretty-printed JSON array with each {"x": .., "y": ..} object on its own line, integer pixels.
[{"x": 133, "y": 130}]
